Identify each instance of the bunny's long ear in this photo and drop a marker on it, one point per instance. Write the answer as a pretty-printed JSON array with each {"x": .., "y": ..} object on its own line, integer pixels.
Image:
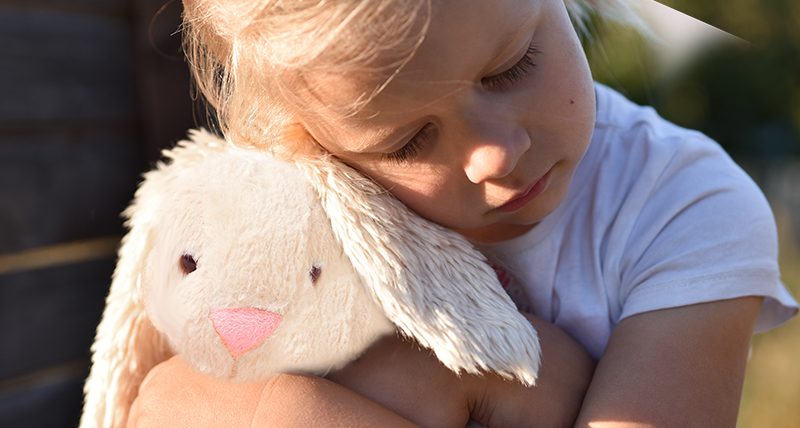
[
  {"x": 127, "y": 345},
  {"x": 432, "y": 283}
]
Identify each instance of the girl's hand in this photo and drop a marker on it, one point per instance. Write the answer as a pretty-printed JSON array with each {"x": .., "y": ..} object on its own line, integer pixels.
[
  {"x": 174, "y": 394},
  {"x": 411, "y": 382}
]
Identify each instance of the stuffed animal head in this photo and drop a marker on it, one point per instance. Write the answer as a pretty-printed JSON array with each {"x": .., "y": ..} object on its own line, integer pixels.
[
  {"x": 244, "y": 275},
  {"x": 248, "y": 265}
]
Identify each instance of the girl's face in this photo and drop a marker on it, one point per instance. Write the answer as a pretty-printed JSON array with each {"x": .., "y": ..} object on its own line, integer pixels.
[{"x": 482, "y": 130}]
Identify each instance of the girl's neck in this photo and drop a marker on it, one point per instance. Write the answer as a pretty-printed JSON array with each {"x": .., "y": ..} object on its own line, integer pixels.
[{"x": 496, "y": 233}]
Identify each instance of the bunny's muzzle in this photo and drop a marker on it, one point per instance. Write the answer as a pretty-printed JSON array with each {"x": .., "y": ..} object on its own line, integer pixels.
[{"x": 242, "y": 329}]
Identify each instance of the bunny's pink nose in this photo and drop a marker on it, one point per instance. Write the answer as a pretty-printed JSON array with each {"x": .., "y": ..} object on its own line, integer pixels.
[{"x": 242, "y": 329}]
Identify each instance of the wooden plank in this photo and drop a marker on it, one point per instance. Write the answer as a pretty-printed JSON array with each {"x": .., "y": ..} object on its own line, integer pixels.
[
  {"x": 52, "y": 374},
  {"x": 54, "y": 402},
  {"x": 64, "y": 66},
  {"x": 69, "y": 161},
  {"x": 163, "y": 76},
  {"x": 49, "y": 316},
  {"x": 59, "y": 254},
  {"x": 113, "y": 8},
  {"x": 64, "y": 186}
]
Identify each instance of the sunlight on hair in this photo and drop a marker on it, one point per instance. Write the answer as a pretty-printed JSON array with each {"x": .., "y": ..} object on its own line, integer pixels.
[{"x": 250, "y": 59}]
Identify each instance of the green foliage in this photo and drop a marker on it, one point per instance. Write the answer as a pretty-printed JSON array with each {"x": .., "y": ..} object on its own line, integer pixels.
[{"x": 748, "y": 99}]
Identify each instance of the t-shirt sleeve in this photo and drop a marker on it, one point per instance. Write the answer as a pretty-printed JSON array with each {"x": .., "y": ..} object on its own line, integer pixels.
[{"x": 703, "y": 231}]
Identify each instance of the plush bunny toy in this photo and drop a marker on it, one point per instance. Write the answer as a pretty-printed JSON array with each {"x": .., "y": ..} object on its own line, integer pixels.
[{"x": 248, "y": 265}]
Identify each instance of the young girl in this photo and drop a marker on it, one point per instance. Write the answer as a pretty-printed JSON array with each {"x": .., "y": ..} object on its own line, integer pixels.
[{"x": 648, "y": 257}]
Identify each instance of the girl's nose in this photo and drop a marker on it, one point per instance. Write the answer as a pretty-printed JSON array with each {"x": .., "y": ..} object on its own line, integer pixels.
[{"x": 495, "y": 157}]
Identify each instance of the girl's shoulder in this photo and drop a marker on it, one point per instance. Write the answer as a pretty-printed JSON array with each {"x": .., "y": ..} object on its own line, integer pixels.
[
  {"x": 682, "y": 222},
  {"x": 630, "y": 124},
  {"x": 633, "y": 145},
  {"x": 653, "y": 181}
]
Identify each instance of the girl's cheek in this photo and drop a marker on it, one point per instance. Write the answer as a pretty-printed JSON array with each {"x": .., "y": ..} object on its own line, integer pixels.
[{"x": 420, "y": 182}]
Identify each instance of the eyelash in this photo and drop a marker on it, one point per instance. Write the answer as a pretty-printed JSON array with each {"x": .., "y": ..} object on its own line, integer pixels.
[
  {"x": 497, "y": 82},
  {"x": 412, "y": 148},
  {"x": 514, "y": 74}
]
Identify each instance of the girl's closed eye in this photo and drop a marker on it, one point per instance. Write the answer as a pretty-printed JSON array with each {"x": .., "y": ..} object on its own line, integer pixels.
[
  {"x": 514, "y": 74},
  {"x": 412, "y": 148}
]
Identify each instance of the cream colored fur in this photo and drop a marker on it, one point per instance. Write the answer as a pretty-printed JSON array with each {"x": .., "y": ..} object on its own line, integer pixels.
[
  {"x": 429, "y": 280},
  {"x": 256, "y": 226}
]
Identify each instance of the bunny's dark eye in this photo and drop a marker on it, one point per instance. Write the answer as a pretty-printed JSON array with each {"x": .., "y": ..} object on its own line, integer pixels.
[
  {"x": 188, "y": 264},
  {"x": 314, "y": 273}
]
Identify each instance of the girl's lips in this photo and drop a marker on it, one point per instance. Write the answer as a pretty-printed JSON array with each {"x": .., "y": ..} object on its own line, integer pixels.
[{"x": 532, "y": 192}]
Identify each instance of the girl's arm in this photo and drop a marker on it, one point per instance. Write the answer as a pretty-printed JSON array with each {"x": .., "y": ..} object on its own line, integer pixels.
[
  {"x": 395, "y": 377},
  {"x": 674, "y": 367},
  {"x": 412, "y": 382}
]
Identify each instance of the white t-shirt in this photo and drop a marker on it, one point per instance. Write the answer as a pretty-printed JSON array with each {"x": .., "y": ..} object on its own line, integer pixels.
[{"x": 657, "y": 216}]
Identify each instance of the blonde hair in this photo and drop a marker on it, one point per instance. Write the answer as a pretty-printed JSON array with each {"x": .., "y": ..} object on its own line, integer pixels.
[{"x": 249, "y": 57}]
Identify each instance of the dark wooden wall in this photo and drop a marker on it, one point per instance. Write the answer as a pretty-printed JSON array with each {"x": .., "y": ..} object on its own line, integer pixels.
[{"x": 89, "y": 92}]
